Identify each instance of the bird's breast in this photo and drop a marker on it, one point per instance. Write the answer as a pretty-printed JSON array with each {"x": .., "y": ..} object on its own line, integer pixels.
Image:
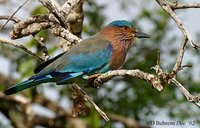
[
  {"x": 116, "y": 61},
  {"x": 118, "y": 57}
]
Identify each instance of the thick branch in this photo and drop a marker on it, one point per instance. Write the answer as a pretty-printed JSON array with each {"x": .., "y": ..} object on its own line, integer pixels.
[
  {"x": 31, "y": 25},
  {"x": 152, "y": 79},
  {"x": 73, "y": 11},
  {"x": 59, "y": 16},
  {"x": 65, "y": 34}
]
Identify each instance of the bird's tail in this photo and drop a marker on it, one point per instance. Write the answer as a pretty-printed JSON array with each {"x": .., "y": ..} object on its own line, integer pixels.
[{"x": 27, "y": 84}]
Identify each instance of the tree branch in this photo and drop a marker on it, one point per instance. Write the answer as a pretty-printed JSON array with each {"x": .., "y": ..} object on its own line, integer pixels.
[
  {"x": 40, "y": 41},
  {"x": 65, "y": 34},
  {"x": 184, "y": 6},
  {"x": 73, "y": 11},
  {"x": 177, "y": 66},
  {"x": 169, "y": 10},
  {"x": 17, "y": 45},
  {"x": 11, "y": 17},
  {"x": 48, "y": 4},
  {"x": 15, "y": 19},
  {"x": 152, "y": 79},
  {"x": 191, "y": 98},
  {"x": 31, "y": 26},
  {"x": 89, "y": 99}
]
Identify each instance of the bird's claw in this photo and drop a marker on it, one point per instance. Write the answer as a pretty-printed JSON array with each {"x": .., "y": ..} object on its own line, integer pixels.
[
  {"x": 92, "y": 77},
  {"x": 94, "y": 82}
]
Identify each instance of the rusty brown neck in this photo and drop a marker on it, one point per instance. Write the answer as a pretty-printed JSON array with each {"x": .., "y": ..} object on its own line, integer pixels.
[{"x": 120, "y": 41}]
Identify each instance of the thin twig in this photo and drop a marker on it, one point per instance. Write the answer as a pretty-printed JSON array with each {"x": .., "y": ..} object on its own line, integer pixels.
[
  {"x": 179, "y": 60},
  {"x": 14, "y": 14},
  {"x": 44, "y": 49},
  {"x": 8, "y": 18},
  {"x": 179, "y": 23},
  {"x": 157, "y": 68},
  {"x": 191, "y": 98},
  {"x": 89, "y": 99},
  {"x": 184, "y": 6},
  {"x": 17, "y": 45}
]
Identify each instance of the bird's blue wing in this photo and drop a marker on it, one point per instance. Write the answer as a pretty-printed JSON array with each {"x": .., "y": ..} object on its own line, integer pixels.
[
  {"x": 88, "y": 57},
  {"x": 85, "y": 62},
  {"x": 46, "y": 63}
]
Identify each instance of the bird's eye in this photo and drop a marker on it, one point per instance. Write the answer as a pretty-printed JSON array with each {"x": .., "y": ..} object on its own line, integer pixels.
[{"x": 125, "y": 28}]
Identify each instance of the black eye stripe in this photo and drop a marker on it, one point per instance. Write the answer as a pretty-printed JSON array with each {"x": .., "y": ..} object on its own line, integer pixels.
[{"x": 124, "y": 27}]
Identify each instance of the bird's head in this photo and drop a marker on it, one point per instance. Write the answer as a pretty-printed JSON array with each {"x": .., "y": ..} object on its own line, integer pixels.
[{"x": 127, "y": 27}]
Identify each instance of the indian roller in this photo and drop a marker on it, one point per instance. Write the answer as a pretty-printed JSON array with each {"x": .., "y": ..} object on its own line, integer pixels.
[{"x": 104, "y": 51}]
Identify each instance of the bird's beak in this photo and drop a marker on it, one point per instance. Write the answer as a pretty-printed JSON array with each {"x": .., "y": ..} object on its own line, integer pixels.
[{"x": 142, "y": 35}]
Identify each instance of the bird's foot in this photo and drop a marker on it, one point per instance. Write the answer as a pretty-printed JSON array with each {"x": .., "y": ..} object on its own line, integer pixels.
[
  {"x": 93, "y": 83},
  {"x": 92, "y": 77},
  {"x": 96, "y": 83}
]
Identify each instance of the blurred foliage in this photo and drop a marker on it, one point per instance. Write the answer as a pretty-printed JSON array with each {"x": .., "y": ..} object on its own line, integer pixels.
[
  {"x": 126, "y": 96},
  {"x": 39, "y": 10},
  {"x": 93, "y": 16}
]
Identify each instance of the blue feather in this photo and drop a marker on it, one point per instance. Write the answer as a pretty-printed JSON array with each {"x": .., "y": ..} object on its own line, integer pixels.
[
  {"x": 87, "y": 62},
  {"x": 65, "y": 78},
  {"x": 122, "y": 23},
  {"x": 27, "y": 84},
  {"x": 86, "y": 58}
]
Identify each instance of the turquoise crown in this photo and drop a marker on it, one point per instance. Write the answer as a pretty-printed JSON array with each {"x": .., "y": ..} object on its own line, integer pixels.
[{"x": 122, "y": 23}]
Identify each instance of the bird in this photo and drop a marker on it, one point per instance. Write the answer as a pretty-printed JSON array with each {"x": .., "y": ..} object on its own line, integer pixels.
[{"x": 102, "y": 52}]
